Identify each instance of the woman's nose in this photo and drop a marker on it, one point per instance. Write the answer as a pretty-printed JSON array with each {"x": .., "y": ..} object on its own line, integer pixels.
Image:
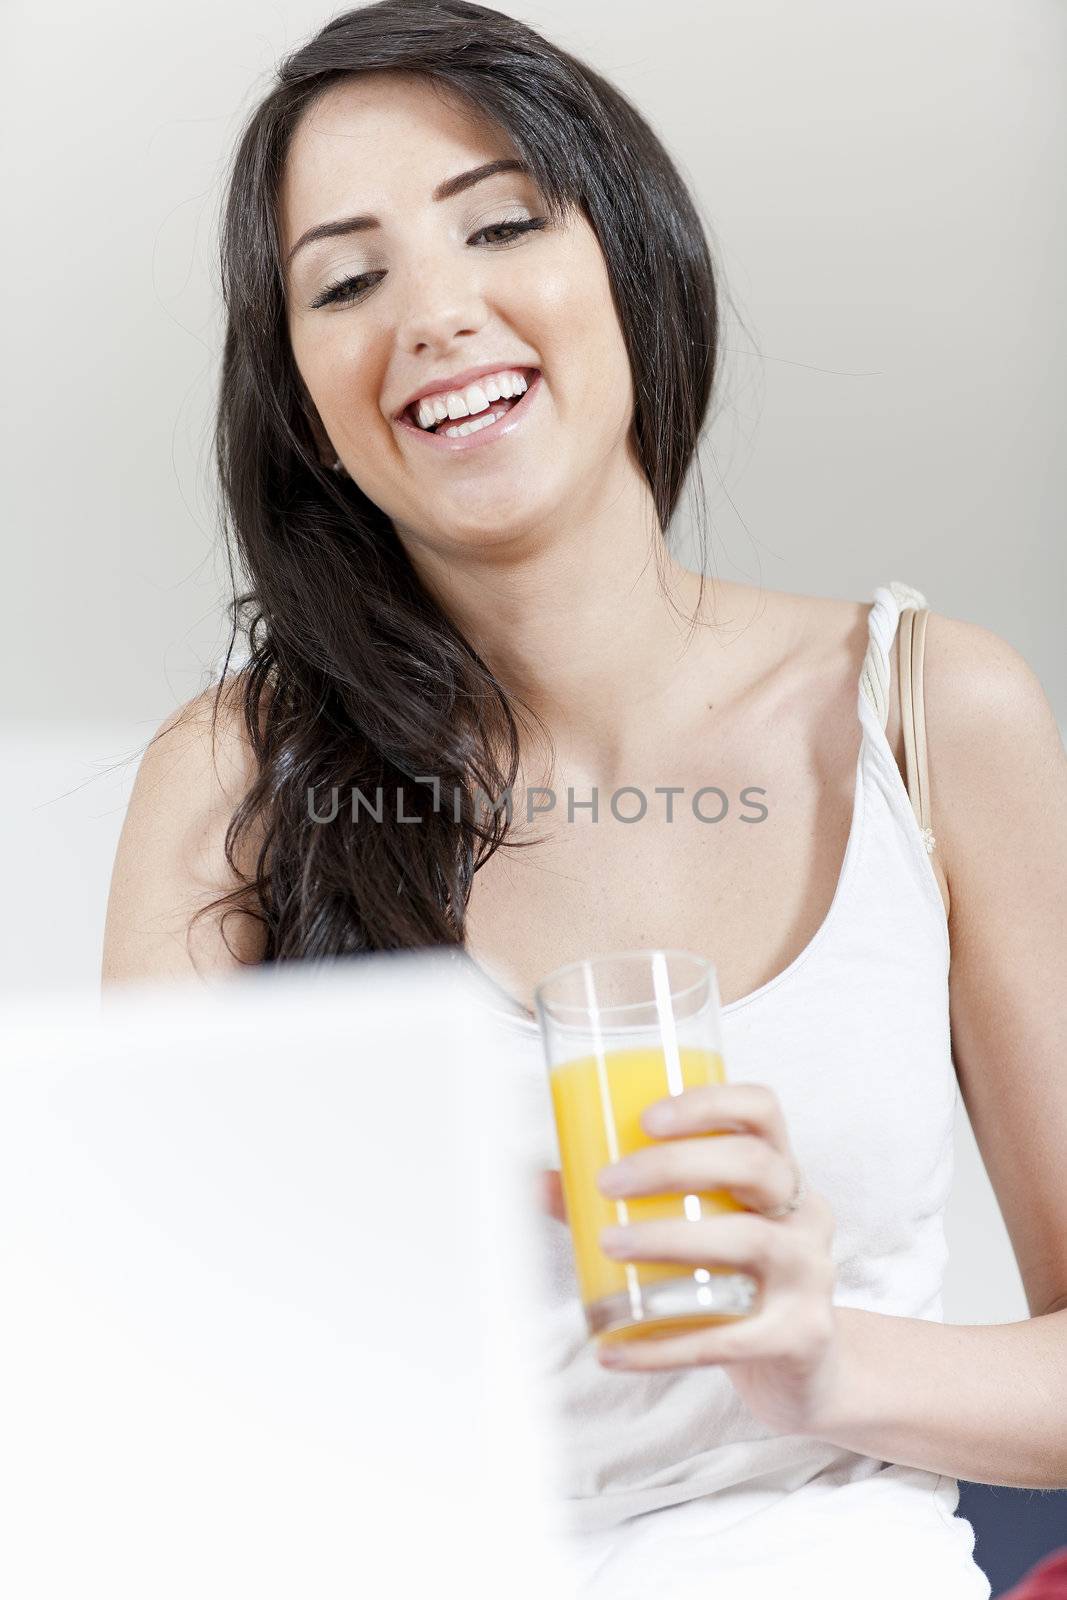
[{"x": 439, "y": 305}]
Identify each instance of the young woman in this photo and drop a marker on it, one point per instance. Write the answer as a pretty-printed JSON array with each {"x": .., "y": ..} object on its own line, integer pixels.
[{"x": 471, "y": 345}]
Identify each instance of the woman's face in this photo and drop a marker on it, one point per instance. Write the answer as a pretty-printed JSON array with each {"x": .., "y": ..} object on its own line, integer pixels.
[{"x": 438, "y": 296}]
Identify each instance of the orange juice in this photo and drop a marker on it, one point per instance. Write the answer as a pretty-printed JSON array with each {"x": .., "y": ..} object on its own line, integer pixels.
[{"x": 598, "y": 1102}]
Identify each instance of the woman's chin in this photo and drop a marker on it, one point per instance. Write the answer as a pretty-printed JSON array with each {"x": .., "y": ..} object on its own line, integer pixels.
[{"x": 485, "y": 520}]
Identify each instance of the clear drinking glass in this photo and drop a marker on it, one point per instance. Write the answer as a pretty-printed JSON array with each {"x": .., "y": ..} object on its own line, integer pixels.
[{"x": 620, "y": 1031}]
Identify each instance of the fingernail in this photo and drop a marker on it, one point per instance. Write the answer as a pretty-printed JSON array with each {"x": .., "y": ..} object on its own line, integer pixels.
[
  {"x": 661, "y": 1117},
  {"x": 614, "y": 1238}
]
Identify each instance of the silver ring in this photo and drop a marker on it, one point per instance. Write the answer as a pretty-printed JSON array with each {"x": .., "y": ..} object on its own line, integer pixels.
[{"x": 775, "y": 1213}]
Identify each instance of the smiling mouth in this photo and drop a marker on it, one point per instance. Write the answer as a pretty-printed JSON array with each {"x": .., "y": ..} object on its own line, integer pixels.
[
  {"x": 451, "y": 424},
  {"x": 462, "y": 431}
]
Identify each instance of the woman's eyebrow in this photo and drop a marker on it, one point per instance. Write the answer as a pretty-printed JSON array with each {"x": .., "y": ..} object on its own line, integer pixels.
[{"x": 444, "y": 191}]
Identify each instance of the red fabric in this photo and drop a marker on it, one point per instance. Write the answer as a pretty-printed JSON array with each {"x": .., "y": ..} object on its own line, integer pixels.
[{"x": 1046, "y": 1581}]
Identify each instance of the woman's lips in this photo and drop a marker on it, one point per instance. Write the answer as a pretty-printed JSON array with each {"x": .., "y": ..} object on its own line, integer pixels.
[{"x": 503, "y": 428}]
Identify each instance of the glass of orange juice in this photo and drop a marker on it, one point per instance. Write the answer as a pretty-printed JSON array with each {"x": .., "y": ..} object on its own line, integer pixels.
[{"x": 620, "y": 1031}]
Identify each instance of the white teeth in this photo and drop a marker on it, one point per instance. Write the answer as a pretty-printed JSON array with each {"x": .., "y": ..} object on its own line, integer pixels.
[
  {"x": 505, "y": 385},
  {"x": 474, "y": 425}
]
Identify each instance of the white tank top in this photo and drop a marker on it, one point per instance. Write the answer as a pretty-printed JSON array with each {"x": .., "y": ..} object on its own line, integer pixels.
[{"x": 853, "y": 1036}]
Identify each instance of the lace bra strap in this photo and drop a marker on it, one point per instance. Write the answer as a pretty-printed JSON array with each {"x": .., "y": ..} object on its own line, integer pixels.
[{"x": 913, "y": 716}]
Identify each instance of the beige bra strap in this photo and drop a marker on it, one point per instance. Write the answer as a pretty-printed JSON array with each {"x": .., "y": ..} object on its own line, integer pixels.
[{"x": 911, "y": 652}]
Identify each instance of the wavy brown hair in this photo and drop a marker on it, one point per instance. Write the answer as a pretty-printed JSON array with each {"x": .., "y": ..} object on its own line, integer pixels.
[{"x": 356, "y": 679}]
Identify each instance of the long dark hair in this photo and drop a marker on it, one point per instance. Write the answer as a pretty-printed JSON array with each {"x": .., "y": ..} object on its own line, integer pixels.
[{"x": 356, "y": 679}]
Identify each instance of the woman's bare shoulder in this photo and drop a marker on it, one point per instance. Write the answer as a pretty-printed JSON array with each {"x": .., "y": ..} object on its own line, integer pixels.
[
  {"x": 798, "y": 619},
  {"x": 200, "y": 760},
  {"x": 171, "y": 859},
  {"x": 795, "y": 641}
]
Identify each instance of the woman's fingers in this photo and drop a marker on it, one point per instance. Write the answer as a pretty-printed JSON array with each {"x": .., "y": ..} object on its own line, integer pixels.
[
  {"x": 779, "y": 1257},
  {"x": 755, "y": 1172},
  {"x": 719, "y": 1107}
]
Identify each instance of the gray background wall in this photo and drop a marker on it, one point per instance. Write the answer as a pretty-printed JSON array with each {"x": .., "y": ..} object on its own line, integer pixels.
[{"x": 880, "y": 183}]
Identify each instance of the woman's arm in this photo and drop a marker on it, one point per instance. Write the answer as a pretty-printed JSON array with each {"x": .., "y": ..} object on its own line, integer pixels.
[
  {"x": 170, "y": 858},
  {"x": 989, "y": 1403}
]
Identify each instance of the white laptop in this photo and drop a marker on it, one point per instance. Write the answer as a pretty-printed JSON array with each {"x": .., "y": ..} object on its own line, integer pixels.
[{"x": 268, "y": 1281}]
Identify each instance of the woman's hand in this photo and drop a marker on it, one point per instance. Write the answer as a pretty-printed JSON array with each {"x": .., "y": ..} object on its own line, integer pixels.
[{"x": 784, "y": 1358}]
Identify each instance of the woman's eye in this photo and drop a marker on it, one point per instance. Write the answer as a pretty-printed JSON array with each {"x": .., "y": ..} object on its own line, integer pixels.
[
  {"x": 348, "y": 290},
  {"x": 527, "y": 225}
]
